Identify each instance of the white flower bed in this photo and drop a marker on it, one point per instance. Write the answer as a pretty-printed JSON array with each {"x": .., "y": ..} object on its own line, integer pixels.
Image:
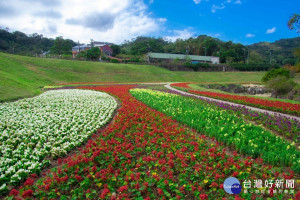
[{"x": 50, "y": 124}]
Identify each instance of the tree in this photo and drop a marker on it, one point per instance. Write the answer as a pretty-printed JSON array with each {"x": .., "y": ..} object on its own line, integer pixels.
[
  {"x": 275, "y": 73},
  {"x": 255, "y": 58},
  {"x": 211, "y": 46},
  {"x": 93, "y": 53},
  {"x": 61, "y": 46},
  {"x": 116, "y": 49},
  {"x": 294, "y": 23}
]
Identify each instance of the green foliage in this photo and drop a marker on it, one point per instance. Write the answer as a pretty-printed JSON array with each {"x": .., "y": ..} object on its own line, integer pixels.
[
  {"x": 116, "y": 49},
  {"x": 255, "y": 57},
  {"x": 294, "y": 23},
  {"x": 20, "y": 43},
  {"x": 297, "y": 54},
  {"x": 281, "y": 51},
  {"x": 276, "y": 72},
  {"x": 254, "y": 67},
  {"x": 114, "y": 61},
  {"x": 104, "y": 58},
  {"x": 61, "y": 46},
  {"x": 229, "y": 52},
  {"x": 281, "y": 85},
  {"x": 93, "y": 53},
  {"x": 196, "y": 66},
  {"x": 142, "y": 45},
  {"x": 67, "y": 56},
  {"x": 82, "y": 54}
]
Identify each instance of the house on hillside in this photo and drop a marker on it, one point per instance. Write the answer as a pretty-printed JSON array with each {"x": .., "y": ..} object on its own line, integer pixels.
[
  {"x": 167, "y": 57},
  {"x": 79, "y": 48},
  {"x": 103, "y": 46}
]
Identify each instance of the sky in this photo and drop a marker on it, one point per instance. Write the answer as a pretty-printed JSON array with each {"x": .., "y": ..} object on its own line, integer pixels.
[{"x": 240, "y": 21}]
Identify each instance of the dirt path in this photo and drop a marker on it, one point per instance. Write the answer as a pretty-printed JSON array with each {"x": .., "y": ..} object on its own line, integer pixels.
[{"x": 234, "y": 104}]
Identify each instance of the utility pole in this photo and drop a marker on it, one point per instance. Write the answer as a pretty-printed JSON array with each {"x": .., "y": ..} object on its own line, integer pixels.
[{"x": 270, "y": 56}]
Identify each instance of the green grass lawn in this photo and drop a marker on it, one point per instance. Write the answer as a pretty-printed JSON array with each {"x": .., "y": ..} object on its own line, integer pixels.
[{"x": 22, "y": 76}]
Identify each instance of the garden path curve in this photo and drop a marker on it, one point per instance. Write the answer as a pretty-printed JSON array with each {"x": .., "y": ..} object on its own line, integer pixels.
[{"x": 234, "y": 104}]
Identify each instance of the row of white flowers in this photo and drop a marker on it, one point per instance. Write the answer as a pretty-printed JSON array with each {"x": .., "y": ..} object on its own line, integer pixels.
[{"x": 50, "y": 124}]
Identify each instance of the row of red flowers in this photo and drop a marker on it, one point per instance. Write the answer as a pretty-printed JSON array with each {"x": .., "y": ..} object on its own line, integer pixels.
[
  {"x": 285, "y": 107},
  {"x": 144, "y": 154}
]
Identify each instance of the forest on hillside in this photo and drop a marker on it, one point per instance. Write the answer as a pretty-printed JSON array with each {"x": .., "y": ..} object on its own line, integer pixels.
[{"x": 279, "y": 52}]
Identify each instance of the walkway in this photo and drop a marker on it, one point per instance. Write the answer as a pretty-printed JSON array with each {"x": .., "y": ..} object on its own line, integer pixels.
[{"x": 235, "y": 104}]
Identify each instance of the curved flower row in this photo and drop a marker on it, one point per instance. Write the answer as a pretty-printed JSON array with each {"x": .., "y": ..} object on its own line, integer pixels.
[
  {"x": 288, "y": 127},
  {"x": 224, "y": 126},
  {"x": 279, "y": 106},
  {"x": 50, "y": 124},
  {"x": 145, "y": 155},
  {"x": 182, "y": 85}
]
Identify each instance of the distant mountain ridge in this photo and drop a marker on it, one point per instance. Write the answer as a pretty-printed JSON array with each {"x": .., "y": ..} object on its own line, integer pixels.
[
  {"x": 278, "y": 52},
  {"x": 280, "y": 49}
]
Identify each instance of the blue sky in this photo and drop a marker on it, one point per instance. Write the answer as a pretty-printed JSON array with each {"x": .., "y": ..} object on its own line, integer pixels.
[{"x": 244, "y": 21}]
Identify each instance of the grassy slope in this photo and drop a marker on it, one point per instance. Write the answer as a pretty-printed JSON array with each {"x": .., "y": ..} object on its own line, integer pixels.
[{"x": 22, "y": 76}]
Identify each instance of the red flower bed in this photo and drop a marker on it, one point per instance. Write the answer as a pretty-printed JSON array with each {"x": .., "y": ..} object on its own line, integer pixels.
[
  {"x": 183, "y": 85},
  {"x": 145, "y": 154},
  {"x": 256, "y": 102}
]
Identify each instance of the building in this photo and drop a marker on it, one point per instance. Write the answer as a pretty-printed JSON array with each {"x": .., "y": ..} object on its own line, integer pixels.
[
  {"x": 103, "y": 46},
  {"x": 79, "y": 48},
  {"x": 167, "y": 57}
]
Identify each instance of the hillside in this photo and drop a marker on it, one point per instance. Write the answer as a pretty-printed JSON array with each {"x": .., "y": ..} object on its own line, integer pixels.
[
  {"x": 229, "y": 52},
  {"x": 22, "y": 76},
  {"x": 281, "y": 50}
]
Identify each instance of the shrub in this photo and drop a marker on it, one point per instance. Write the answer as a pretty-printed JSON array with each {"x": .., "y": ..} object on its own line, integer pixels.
[
  {"x": 281, "y": 85},
  {"x": 253, "y": 67},
  {"x": 81, "y": 54},
  {"x": 294, "y": 69},
  {"x": 93, "y": 53},
  {"x": 104, "y": 58},
  {"x": 276, "y": 72},
  {"x": 114, "y": 61},
  {"x": 196, "y": 66}
]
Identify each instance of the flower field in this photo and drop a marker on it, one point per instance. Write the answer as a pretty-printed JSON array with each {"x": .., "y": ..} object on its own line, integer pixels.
[
  {"x": 284, "y": 107},
  {"x": 144, "y": 154},
  {"x": 225, "y": 127},
  {"x": 287, "y": 127},
  {"x": 48, "y": 125}
]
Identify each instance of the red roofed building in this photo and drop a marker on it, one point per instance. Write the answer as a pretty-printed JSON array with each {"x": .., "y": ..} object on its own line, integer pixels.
[{"x": 106, "y": 50}]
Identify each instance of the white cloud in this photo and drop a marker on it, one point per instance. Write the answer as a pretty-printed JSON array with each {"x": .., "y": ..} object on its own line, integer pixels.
[
  {"x": 215, "y": 7},
  {"x": 102, "y": 20},
  {"x": 238, "y": 2},
  {"x": 228, "y": 1},
  {"x": 271, "y": 30},
  {"x": 181, "y": 34},
  {"x": 216, "y": 35},
  {"x": 197, "y": 1},
  {"x": 250, "y": 35},
  {"x": 151, "y": 1},
  {"x": 162, "y": 20}
]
